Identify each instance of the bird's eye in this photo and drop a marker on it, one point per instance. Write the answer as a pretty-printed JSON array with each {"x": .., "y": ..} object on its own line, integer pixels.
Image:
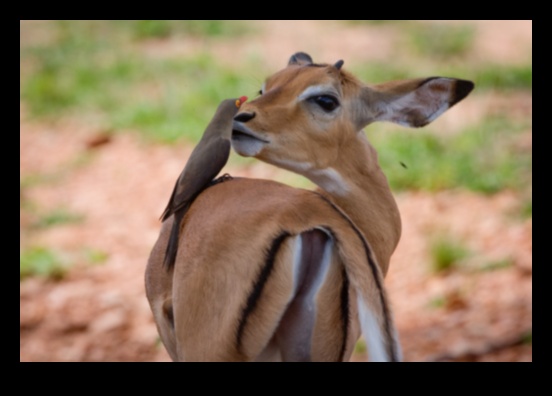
[
  {"x": 263, "y": 89},
  {"x": 326, "y": 102}
]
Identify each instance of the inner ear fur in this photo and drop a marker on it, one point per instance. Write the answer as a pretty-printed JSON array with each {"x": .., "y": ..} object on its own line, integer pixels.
[{"x": 411, "y": 103}]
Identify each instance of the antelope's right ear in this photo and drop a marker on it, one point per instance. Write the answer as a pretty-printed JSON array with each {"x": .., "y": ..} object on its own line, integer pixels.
[
  {"x": 412, "y": 103},
  {"x": 300, "y": 58}
]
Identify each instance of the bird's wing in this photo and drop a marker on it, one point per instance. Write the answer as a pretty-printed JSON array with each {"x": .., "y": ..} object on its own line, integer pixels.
[{"x": 203, "y": 166}]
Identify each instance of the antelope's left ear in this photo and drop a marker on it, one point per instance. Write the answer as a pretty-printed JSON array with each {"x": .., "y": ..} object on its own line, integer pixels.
[
  {"x": 300, "y": 58},
  {"x": 413, "y": 103}
]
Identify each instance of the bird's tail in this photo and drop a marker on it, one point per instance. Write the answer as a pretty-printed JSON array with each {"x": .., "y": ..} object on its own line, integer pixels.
[
  {"x": 172, "y": 246},
  {"x": 167, "y": 212}
]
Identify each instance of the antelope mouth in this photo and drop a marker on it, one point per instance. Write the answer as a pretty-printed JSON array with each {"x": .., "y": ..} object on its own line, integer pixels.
[
  {"x": 240, "y": 132},
  {"x": 245, "y": 142}
]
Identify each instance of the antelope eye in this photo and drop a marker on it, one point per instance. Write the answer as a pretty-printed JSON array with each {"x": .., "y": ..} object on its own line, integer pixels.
[{"x": 326, "y": 102}]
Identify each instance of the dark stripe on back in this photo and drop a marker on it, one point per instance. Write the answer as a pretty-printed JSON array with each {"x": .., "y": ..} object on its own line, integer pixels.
[
  {"x": 259, "y": 284},
  {"x": 373, "y": 266},
  {"x": 344, "y": 312}
]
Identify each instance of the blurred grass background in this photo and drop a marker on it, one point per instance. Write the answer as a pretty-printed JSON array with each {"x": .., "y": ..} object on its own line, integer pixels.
[
  {"x": 94, "y": 68},
  {"x": 117, "y": 76}
]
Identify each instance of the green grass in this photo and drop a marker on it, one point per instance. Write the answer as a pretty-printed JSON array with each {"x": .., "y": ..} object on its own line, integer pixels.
[
  {"x": 437, "y": 302},
  {"x": 478, "y": 158},
  {"x": 126, "y": 30},
  {"x": 185, "y": 100},
  {"x": 164, "y": 99},
  {"x": 504, "y": 76},
  {"x": 57, "y": 217},
  {"x": 163, "y": 28},
  {"x": 41, "y": 261},
  {"x": 442, "y": 50},
  {"x": 379, "y": 72},
  {"x": 152, "y": 28},
  {"x": 446, "y": 254},
  {"x": 527, "y": 338},
  {"x": 373, "y": 22},
  {"x": 485, "y": 76},
  {"x": 360, "y": 346},
  {"x": 527, "y": 208},
  {"x": 498, "y": 264},
  {"x": 442, "y": 41},
  {"x": 94, "y": 256},
  {"x": 93, "y": 68}
]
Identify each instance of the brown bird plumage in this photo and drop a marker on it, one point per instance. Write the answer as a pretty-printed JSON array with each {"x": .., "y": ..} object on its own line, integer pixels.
[{"x": 207, "y": 159}]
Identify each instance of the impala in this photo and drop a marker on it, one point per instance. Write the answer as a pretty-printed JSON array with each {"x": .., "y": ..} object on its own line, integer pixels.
[{"x": 265, "y": 271}]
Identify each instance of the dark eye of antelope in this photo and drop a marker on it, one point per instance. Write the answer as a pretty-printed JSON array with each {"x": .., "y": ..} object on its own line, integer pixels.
[{"x": 327, "y": 103}]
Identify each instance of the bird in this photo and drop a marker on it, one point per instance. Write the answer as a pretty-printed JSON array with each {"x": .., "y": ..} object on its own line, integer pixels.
[{"x": 207, "y": 159}]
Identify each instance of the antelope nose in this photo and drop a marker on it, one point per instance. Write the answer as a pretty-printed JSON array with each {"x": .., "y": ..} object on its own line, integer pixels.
[{"x": 244, "y": 117}]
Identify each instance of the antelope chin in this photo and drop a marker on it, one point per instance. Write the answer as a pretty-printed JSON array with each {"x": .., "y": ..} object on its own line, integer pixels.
[{"x": 245, "y": 142}]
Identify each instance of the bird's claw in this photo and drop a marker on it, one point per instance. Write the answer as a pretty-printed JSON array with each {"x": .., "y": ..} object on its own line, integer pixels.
[{"x": 221, "y": 179}]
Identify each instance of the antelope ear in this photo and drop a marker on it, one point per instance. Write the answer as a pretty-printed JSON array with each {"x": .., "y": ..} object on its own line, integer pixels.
[
  {"x": 300, "y": 58},
  {"x": 413, "y": 103}
]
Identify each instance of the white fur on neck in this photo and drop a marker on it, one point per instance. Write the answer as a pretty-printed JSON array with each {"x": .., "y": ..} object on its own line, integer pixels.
[{"x": 328, "y": 178}]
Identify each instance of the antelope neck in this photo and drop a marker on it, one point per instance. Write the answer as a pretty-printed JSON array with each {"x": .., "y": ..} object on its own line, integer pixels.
[{"x": 357, "y": 184}]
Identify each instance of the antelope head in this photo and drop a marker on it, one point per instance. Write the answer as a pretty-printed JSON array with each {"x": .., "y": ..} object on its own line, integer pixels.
[{"x": 308, "y": 114}]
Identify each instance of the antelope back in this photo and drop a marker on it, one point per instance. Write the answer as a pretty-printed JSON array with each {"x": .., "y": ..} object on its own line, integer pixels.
[{"x": 230, "y": 294}]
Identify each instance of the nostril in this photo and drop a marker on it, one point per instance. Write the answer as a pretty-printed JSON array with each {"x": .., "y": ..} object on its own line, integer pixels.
[{"x": 244, "y": 117}]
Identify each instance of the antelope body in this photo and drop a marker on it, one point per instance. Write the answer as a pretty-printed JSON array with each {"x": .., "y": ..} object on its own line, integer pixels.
[{"x": 265, "y": 271}]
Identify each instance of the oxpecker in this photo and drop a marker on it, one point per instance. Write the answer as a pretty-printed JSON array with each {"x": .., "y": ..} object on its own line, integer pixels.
[{"x": 207, "y": 159}]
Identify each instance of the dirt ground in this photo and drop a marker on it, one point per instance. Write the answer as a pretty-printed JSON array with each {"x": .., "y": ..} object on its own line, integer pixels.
[{"x": 100, "y": 313}]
